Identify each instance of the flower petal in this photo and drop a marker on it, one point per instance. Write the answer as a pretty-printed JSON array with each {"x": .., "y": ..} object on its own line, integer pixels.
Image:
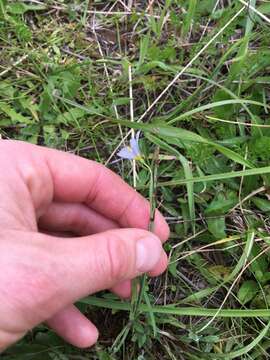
[
  {"x": 137, "y": 136},
  {"x": 126, "y": 153},
  {"x": 135, "y": 146}
]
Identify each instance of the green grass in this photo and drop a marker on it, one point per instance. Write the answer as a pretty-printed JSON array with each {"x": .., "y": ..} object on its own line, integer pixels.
[{"x": 199, "y": 74}]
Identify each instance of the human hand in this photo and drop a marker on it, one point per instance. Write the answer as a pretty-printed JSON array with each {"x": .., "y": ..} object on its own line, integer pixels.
[{"x": 46, "y": 191}]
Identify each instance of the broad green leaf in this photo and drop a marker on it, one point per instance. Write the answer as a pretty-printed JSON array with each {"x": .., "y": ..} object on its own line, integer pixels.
[
  {"x": 239, "y": 61},
  {"x": 216, "y": 226},
  {"x": 264, "y": 8},
  {"x": 23, "y": 32},
  {"x": 70, "y": 116},
  {"x": 205, "y": 7},
  {"x": 121, "y": 101},
  {"x": 262, "y": 204},
  {"x": 247, "y": 291},
  {"x": 250, "y": 19},
  {"x": 203, "y": 267},
  {"x": 19, "y": 8},
  {"x": 196, "y": 297},
  {"x": 262, "y": 299},
  {"x": 7, "y": 90},
  {"x": 14, "y": 115},
  {"x": 220, "y": 272},
  {"x": 220, "y": 205},
  {"x": 259, "y": 266},
  {"x": 225, "y": 111}
]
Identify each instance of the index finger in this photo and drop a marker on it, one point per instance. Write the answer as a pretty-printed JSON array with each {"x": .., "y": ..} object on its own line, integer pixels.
[{"x": 76, "y": 179}]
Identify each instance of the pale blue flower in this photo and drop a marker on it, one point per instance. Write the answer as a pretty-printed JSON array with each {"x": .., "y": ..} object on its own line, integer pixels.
[{"x": 131, "y": 152}]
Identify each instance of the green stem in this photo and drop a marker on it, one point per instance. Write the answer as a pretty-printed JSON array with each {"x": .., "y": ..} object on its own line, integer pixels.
[
  {"x": 180, "y": 311},
  {"x": 137, "y": 297}
]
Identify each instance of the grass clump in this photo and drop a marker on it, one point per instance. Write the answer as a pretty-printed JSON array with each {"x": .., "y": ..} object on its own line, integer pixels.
[{"x": 200, "y": 85}]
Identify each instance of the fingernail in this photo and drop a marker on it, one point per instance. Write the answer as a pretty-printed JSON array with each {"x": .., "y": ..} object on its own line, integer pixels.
[{"x": 149, "y": 251}]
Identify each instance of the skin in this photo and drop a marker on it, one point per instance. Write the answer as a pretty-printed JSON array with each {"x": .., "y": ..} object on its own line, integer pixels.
[{"x": 69, "y": 227}]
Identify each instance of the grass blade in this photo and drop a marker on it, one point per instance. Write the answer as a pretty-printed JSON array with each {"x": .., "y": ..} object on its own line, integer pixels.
[
  {"x": 175, "y": 310},
  {"x": 186, "y": 168},
  {"x": 221, "y": 176}
]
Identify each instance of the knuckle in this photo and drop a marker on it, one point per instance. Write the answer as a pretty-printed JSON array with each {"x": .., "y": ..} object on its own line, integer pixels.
[
  {"x": 118, "y": 258},
  {"x": 123, "y": 217}
]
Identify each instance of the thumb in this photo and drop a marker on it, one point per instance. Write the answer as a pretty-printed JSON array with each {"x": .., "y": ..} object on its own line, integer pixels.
[
  {"x": 93, "y": 263},
  {"x": 43, "y": 274}
]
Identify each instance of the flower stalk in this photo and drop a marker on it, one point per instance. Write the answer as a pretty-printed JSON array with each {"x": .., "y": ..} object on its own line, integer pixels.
[{"x": 139, "y": 290}]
